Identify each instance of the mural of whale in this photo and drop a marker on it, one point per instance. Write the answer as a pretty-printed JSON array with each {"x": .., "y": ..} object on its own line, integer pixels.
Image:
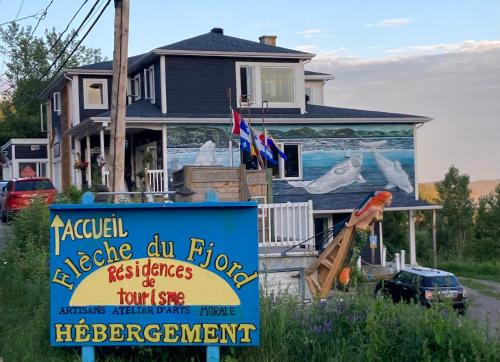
[
  {"x": 343, "y": 174},
  {"x": 393, "y": 172}
]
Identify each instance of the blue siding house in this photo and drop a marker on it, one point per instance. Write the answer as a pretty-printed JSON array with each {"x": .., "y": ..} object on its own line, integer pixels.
[{"x": 179, "y": 98}]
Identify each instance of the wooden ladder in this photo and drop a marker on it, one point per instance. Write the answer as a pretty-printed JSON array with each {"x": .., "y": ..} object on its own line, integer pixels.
[{"x": 320, "y": 276}]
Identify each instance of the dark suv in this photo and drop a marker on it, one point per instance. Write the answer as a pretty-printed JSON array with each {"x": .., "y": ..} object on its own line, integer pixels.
[{"x": 425, "y": 286}]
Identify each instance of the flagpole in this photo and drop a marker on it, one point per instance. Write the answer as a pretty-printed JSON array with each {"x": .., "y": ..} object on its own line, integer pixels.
[
  {"x": 264, "y": 126},
  {"x": 230, "y": 142}
]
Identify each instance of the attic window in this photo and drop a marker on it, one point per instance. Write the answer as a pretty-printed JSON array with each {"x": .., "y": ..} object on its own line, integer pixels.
[{"x": 95, "y": 93}]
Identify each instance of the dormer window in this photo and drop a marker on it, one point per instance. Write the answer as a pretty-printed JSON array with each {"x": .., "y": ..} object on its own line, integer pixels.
[
  {"x": 279, "y": 85},
  {"x": 95, "y": 93}
]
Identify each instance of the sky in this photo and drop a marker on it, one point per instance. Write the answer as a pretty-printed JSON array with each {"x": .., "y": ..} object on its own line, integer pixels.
[{"x": 439, "y": 59}]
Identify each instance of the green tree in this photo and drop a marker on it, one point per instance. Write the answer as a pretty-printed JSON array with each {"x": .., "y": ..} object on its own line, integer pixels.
[
  {"x": 456, "y": 217},
  {"x": 28, "y": 59}
]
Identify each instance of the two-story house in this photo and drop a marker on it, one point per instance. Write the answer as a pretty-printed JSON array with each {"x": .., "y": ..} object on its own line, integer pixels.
[{"x": 180, "y": 96}]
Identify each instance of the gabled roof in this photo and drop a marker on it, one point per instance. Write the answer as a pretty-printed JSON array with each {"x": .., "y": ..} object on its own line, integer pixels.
[
  {"x": 308, "y": 72},
  {"x": 216, "y": 42},
  {"x": 317, "y": 76}
]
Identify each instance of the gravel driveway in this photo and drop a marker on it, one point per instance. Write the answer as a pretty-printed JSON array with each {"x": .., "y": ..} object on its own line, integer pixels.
[{"x": 485, "y": 308}]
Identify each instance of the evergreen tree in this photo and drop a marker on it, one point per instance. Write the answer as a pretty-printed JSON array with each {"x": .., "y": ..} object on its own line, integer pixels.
[{"x": 456, "y": 217}]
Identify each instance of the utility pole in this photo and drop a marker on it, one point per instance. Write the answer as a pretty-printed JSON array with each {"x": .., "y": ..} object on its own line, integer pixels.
[{"x": 118, "y": 98}]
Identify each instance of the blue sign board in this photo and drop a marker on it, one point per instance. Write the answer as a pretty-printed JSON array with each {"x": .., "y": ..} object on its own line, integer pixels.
[{"x": 154, "y": 274}]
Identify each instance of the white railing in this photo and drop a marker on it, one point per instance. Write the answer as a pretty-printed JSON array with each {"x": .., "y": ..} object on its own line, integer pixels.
[
  {"x": 155, "y": 180},
  {"x": 286, "y": 224}
]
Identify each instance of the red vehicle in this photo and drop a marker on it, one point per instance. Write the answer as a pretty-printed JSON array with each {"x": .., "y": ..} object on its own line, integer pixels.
[{"x": 20, "y": 193}]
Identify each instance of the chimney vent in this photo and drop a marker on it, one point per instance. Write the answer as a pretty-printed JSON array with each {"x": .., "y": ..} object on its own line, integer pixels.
[
  {"x": 217, "y": 31},
  {"x": 268, "y": 39}
]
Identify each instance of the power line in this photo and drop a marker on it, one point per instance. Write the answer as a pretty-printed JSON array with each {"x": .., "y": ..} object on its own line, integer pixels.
[
  {"x": 19, "y": 10},
  {"x": 31, "y": 97},
  {"x": 57, "y": 40},
  {"x": 24, "y": 18},
  {"x": 42, "y": 16}
]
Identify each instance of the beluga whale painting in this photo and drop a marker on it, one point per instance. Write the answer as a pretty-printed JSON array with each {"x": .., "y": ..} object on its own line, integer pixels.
[
  {"x": 392, "y": 170},
  {"x": 343, "y": 174}
]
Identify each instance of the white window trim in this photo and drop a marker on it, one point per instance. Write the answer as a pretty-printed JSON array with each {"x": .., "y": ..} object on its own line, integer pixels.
[
  {"x": 56, "y": 101},
  {"x": 104, "y": 83},
  {"x": 298, "y": 81},
  {"x": 149, "y": 77},
  {"x": 282, "y": 162},
  {"x": 137, "y": 87}
]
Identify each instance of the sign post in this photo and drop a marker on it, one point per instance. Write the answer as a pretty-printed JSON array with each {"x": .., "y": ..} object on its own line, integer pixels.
[{"x": 175, "y": 274}]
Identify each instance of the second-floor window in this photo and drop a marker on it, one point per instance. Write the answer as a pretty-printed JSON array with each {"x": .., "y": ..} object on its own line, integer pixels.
[
  {"x": 276, "y": 84},
  {"x": 149, "y": 84},
  {"x": 56, "y": 102},
  {"x": 95, "y": 93}
]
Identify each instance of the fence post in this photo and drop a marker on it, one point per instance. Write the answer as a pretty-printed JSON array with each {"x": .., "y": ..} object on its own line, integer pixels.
[
  {"x": 311, "y": 224},
  {"x": 358, "y": 263},
  {"x": 88, "y": 352},
  {"x": 403, "y": 259},
  {"x": 397, "y": 261},
  {"x": 384, "y": 255}
]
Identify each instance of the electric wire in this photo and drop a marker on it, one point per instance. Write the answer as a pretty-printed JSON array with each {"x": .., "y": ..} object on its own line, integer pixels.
[{"x": 31, "y": 97}]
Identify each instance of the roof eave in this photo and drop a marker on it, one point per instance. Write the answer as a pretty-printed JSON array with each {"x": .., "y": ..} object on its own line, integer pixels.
[
  {"x": 319, "y": 77},
  {"x": 207, "y": 53},
  {"x": 268, "y": 121}
]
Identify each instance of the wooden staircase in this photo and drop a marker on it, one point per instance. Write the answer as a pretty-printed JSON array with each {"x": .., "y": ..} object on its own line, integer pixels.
[{"x": 321, "y": 275}]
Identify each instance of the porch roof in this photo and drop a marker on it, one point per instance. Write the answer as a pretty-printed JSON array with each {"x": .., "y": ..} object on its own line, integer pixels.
[
  {"x": 337, "y": 202},
  {"x": 145, "y": 110}
]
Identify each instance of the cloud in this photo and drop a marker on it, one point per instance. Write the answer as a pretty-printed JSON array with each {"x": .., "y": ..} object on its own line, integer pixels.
[
  {"x": 390, "y": 22},
  {"x": 306, "y": 47},
  {"x": 308, "y": 33},
  {"x": 314, "y": 33},
  {"x": 458, "y": 85}
]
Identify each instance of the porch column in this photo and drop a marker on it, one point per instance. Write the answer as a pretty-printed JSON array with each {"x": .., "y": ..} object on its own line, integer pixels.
[
  {"x": 87, "y": 158},
  {"x": 413, "y": 248},
  {"x": 381, "y": 242},
  {"x": 103, "y": 169},
  {"x": 164, "y": 156},
  {"x": 434, "y": 243}
]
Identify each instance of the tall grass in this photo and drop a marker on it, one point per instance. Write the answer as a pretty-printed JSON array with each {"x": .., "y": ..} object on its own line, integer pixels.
[
  {"x": 489, "y": 270},
  {"x": 357, "y": 328}
]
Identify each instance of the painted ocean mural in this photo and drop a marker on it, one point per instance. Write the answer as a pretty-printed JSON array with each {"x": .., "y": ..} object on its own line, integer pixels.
[
  {"x": 352, "y": 158},
  {"x": 335, "y": 158}
]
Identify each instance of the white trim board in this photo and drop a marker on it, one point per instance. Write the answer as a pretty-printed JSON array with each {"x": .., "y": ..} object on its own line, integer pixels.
[{"x": 209, "y": 53}]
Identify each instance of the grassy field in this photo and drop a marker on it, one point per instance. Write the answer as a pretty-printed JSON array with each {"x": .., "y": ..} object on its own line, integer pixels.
[
  {"x": 350, "y": 327},
  {"x": 488, "y": 270}
]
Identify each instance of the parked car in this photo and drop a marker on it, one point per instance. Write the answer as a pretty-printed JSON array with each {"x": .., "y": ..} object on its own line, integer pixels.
[
  {"x": 425, "y": 286},
  {"x": 20, "y": 193}
]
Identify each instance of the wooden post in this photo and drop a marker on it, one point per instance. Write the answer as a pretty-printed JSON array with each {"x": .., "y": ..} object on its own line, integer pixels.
[
  {"x": 119, "y": 98},
  {"x": 413, "y": 247},
  {"x": 434, "y": 243}
]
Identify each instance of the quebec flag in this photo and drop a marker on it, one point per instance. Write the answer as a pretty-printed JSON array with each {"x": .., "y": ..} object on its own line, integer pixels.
[{"x": 245, "y": 138}]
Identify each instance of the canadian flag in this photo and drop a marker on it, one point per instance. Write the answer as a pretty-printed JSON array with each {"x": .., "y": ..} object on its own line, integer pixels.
[{"x": 236, "y": 122}]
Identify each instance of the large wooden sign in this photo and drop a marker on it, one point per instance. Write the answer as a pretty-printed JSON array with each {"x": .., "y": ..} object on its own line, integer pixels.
[{"x": 167, "y": 274}]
